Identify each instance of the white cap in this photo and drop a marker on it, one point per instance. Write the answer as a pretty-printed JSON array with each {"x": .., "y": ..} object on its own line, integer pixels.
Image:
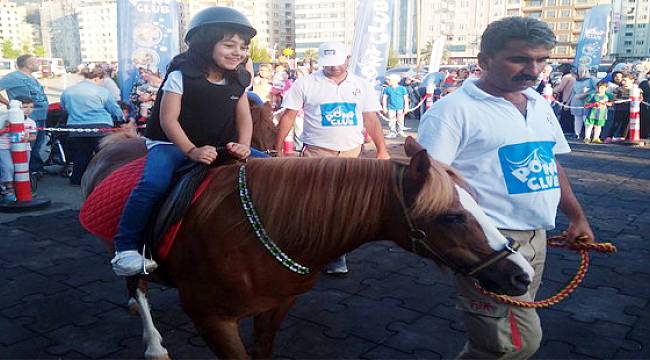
[{"x": 332, "y": 54}]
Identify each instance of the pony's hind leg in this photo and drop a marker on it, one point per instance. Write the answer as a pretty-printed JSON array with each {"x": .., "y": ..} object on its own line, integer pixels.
[
  {"x": 150, "y": 335},
  {"x": 266, "y": 326},
  {"x": 221, "y": 335}
]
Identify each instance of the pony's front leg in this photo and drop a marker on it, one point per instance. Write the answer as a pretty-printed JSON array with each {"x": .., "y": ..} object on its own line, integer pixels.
[
  {"x": 221, "y": 335},
  {"x": 150, "y": 335},
  {"x": 266, "y": 326}
]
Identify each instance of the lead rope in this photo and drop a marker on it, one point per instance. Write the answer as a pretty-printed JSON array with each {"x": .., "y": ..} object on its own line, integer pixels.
[{"x": 583, "y": 248}]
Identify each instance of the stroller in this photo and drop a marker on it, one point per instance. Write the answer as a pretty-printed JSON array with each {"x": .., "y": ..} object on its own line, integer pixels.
[{"x": 55, "y": 151}]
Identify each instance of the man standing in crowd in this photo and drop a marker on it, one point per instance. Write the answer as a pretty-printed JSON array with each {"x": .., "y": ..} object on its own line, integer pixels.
[
  {"x": 22, "y": 83},
  {"x": 503, "y": 137},
  {"x": 337, "y": 107}
]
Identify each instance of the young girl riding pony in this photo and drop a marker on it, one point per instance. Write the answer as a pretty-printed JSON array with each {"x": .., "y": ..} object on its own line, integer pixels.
[{"x": 201, "y": 106}]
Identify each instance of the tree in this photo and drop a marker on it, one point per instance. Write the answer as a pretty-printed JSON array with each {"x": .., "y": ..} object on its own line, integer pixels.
[
  {"x": 26, "y": 48},
  {"x": 8, "y": 51},
  {"x": 426, "y": 53},
  {"x": 393, "y": 59},
  {"x": 258, "y": 54},
  {"x": 310, "y": 54},
  {"x": 39, "y": 51}
]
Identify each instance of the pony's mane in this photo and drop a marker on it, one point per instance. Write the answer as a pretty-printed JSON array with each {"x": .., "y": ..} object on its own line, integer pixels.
[
  {"x": 117, "y": 137},
  {"x": 318, "y": 200},
  {"x": 438, "y": 192}
]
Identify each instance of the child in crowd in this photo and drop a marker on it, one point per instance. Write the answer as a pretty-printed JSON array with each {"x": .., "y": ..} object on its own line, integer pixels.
[
  {"x": 395, "y": 103},
  {"x": 6, "y": 162},
  {"x": 29, "y": 136},
  {"x": 597, "y": 101},
  {"x": 204, "y": 107},
  {"x": 619, "y": 130}
]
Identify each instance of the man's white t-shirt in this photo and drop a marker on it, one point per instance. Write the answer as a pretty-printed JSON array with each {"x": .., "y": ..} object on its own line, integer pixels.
[
  {"x": 508, "y": 159},
  {"x": 333, "y": 113}
]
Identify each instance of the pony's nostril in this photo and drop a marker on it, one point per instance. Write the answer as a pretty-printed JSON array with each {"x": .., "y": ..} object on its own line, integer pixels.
[{"x": 520, "y": 281}]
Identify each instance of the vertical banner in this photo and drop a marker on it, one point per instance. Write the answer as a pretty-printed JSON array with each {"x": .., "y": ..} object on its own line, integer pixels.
[
  {"x": 592, "y": 38},
  {"x": 436, "y": 54},
  {"x": 371, "y": 42},
  {"x": 148, "y": 38},
  {"x": 612, "y": 45}
]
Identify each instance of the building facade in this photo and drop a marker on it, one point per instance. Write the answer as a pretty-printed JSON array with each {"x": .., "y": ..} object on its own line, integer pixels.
[
  {"x": 60, "y": 30},
  {"x": 630, "y": 30},
  {"x": 317, "y": 21},
  {"x": 98, "y": 31},
  {"x": 13, "y": 26}
]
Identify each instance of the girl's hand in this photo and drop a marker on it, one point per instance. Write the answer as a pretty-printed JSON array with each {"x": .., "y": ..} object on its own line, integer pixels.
[
  {"x": 205, "y": 154},
  {"x": 240, "y": 151}
]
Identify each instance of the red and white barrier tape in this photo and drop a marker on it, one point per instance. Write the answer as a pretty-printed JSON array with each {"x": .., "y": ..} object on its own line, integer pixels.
[{"x": 88, "y": 130}]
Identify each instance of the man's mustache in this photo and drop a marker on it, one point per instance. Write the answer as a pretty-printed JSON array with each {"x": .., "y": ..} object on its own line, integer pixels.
[{"x": 524, "y": 77}]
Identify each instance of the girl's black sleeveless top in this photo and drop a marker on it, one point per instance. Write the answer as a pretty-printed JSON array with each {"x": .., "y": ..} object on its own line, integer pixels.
[{"x": 207, "y": 110}]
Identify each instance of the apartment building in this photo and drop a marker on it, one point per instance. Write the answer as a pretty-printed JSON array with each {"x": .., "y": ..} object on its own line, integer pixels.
[
  {"x": 317, "y": 21},
  {"x": 98, "y": 31},
  {"x": 60, "y": 30},
  {"x": 631, "y": 29},
  {"x": 13, "y": 26}
]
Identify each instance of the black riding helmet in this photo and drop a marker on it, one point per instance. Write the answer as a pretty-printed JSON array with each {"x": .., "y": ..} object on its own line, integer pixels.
[{"x": 219, "y": 15}]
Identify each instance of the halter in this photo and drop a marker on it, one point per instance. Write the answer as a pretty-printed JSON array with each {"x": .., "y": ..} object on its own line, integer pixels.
[{"x": 419, "y": 237}]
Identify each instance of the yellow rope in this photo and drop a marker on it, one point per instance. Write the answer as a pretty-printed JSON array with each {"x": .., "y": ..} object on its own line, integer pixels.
[{"x": 581, "y": 246}]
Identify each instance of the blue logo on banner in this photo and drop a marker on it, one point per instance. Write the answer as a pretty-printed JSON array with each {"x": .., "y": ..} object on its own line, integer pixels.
[
  {"x": 529, "y": 167},
  {"x": 339, "y": 114}
]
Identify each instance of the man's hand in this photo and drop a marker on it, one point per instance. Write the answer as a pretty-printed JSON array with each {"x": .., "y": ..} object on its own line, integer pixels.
[
  {"x": 205, "y": 154},
  {"x": 579, "y": 229},
  {"x": 240, "y": 151}
]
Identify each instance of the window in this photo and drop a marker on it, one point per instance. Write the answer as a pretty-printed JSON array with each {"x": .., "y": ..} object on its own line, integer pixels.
[
  {"x": 551, "y": 2},
  {"x": 629, "y": 26},
  {"x": 639, "y": 42},
  {"x": 565, "y": 26},
  {"x": 565, "y": 13},
  {"x": 566, "y": 2},
  {"x": 627, "y": 42},
  {"x": 550, "y": 13},
  {"x": 629, "y": 34}
]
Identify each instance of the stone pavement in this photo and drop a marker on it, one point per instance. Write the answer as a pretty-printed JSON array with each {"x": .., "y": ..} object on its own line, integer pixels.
[{"x": 59, "y": 298}]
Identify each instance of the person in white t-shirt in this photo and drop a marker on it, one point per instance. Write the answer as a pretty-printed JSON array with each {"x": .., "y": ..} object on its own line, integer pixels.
[
  {"x": 338, "y": 106},
  {"x": 503, "y": 137}
]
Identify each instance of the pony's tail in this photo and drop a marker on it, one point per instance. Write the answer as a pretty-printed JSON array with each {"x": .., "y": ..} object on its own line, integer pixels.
[{"x": 123, "y": 134}]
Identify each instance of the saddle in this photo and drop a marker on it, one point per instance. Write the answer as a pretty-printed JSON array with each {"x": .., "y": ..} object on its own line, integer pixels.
[{"x": 101, "y": 212}]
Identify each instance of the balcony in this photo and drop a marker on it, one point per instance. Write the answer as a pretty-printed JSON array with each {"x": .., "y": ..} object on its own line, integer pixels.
[{"x": 583, "y": 4}]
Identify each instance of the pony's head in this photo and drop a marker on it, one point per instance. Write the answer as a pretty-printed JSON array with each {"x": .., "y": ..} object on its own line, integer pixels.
[
  {"x": 265, "y": 131},
  {"x": 445, "y": 224}
]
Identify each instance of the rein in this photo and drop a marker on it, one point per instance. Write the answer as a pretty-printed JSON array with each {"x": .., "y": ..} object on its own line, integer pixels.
[
  {"x": 260, "y": 232},
  {"x": 419, "y": 237},
  {"x": 559, "y": 241}
]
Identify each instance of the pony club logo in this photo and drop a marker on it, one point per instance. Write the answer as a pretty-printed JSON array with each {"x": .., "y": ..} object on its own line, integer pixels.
[
  {"x": 529, "y": 167},
  {"x": 594, "y": 33},
  {"x": 338, "y": 114}
]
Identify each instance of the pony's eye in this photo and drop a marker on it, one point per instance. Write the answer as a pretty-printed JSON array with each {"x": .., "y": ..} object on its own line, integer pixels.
[{"x": 451, "y": 218}]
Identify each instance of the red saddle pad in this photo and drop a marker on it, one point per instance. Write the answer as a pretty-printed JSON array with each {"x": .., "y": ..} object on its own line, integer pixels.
[{"x": 100, "y": 213}]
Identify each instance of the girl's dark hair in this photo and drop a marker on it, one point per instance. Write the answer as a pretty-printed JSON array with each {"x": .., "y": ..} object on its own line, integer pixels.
[
  {"x": 199, "y": 52},
  {"x": 602, "y": 83}
]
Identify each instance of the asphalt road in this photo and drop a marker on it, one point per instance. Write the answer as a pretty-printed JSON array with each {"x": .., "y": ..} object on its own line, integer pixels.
[{"x": 59, "y": 298}]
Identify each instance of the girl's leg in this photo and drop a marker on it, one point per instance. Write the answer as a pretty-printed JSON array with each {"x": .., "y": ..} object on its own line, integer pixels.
[
  {"x": 597, "y": 130},
  {"x": 162, "y": 160},
  {"x": 588, "y": 128}
]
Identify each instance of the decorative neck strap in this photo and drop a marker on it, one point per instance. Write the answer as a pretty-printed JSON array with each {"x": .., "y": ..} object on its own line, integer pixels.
[{"x": 258, "y": 228}]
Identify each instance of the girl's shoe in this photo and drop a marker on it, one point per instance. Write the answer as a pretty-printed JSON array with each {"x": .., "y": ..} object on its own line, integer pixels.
[
  {"x": 597, "y": 141},
  {"x": 608, "y": 140},
  {"x": 587, "y": 141},
  {"x": 131, "y": 262}
]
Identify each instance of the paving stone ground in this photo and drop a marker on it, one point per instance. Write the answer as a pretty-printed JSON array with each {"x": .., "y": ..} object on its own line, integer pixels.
[{"x": 59, "y": 298}]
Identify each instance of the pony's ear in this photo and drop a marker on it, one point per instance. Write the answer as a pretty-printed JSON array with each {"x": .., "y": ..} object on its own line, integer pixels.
[
  {"x": 411, "y": 146},
  {"x": 419, "y": 166}
]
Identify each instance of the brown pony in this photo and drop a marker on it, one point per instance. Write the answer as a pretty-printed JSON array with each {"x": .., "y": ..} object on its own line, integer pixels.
[{"x": 314, "y": 210}]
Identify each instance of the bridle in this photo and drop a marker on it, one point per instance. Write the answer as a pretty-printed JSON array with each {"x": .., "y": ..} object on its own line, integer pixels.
[{"x": 419, "y": 237}]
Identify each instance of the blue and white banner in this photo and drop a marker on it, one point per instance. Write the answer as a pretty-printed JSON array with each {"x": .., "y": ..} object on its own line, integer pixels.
[
  {"x": 148, "y": 38},
  {"x": 372, "y": 31},
  {"x": 592, "y": 38}
]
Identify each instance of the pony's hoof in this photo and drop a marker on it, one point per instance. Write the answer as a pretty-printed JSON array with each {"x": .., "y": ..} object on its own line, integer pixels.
[
  {"x": 134, "y": 309},
  {"x": 157, "y": 357}
]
